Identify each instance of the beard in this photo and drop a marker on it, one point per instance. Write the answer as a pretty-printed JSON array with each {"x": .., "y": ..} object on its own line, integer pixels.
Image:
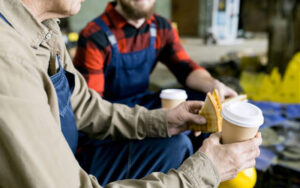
[{"x": 134, "y": 12}]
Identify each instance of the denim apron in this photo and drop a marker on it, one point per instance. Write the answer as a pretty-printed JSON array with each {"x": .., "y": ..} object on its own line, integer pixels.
[
  {"x": 63, "y": 83},
  {"x": 127, "y": 74}
]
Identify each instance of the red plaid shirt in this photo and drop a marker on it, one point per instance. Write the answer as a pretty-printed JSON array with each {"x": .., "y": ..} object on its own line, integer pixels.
[{"x": 94, "y": 50}]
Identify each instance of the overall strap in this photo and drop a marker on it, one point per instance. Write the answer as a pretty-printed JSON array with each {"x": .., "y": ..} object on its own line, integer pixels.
[
  {"x": 4, "y": 19},
  {"x": 58, "y": 59},
  {"x": 153, "y": 32},
  {"x": 111, "y": 37}
]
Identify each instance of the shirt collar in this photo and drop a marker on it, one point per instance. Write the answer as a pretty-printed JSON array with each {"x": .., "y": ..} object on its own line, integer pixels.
[
  {"x": 117, "y": 19},
  {"x": 25, "y": 23}
]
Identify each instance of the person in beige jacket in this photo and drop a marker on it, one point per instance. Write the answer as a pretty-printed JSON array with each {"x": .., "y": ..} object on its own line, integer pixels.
[{"x": 36, "y": 149}]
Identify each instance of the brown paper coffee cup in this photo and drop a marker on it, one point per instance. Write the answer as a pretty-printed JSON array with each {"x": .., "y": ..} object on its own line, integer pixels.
[
  {"x": 232, "y": 133},
  {"x": 170, "y": 98},
  {"x": 169, "y": 104},
  {"x": 241, "y": 121}
]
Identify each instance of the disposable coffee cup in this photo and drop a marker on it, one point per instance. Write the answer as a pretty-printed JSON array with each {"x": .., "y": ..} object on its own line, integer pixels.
[
  {"x": 241, "y": 121},
  {"x": 170, "y": 98}
]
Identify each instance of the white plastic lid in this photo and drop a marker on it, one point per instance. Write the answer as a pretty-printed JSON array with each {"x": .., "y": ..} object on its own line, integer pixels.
[
  {"x": 243, "y": 114},
  {"x": 173, "y": 94}
]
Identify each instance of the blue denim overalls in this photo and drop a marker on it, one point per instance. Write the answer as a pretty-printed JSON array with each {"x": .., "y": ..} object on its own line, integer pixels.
[
  {"x": 127, "y": 74},
  {"x": 63, "y": 83}
]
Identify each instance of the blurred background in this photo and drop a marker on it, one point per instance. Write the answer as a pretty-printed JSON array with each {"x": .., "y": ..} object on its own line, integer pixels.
[{"x": 251, "y": 45}]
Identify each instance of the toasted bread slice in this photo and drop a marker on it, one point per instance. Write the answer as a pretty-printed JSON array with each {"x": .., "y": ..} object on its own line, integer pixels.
[{"x": 211, "y": 110}]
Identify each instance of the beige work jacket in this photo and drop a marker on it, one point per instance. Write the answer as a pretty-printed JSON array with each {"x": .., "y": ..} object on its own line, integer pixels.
[{"x": 33, "y": 150}]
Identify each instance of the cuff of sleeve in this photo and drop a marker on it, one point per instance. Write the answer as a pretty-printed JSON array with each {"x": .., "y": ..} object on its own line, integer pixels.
[
  {"x": 200, "y": 170},
  {"x": 157, "y": 125}
]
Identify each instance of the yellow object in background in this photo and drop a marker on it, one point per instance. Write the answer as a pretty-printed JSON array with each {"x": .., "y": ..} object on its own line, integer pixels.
[
  {"x": 175, "y": 26},
  {"x": 251, "y": 82},
  {"x": 244, "y": 179},
  {"x": 263, "y": 87},
  {"x": 73, "y": 37},
  {"x": 291, "y": 82}
]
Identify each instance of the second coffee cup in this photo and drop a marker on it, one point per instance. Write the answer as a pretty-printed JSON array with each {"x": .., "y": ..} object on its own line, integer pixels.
[
  {"x": 241, "y": 121},
  {"x": 170, "y": 98}
]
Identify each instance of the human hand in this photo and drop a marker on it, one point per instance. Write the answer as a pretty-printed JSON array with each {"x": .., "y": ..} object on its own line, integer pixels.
[
  {"x": 231, "y": 158},
  {"x": 224, "y": 91},
  {"x": 185, "y": 113}
]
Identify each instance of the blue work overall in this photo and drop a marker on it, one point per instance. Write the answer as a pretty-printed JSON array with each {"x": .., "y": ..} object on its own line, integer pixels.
[
  {"x": 63, "y": 82},
  {"x": 127, "y": 74}
]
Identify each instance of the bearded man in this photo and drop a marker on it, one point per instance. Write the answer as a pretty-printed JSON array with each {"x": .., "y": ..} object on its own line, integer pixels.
[{"x": 118, "y": 51}]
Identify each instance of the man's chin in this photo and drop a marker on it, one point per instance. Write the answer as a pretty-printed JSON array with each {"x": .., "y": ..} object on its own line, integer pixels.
[{"x": 75, "y": 10}]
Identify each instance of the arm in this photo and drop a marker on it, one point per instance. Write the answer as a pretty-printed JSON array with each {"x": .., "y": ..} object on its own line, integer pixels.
[
  {"x": 185, "y": 69},
  {"x": 211, "y": 164},
  {"x": 172, "y": 53},
  {"x": 201, "y": 80}
]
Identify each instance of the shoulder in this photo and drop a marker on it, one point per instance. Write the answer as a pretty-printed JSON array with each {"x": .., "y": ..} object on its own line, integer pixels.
[
  {"x": 12, "y": 45},
  {"x": 93, "y": 32},
  {"x": 162, "y": 22},
  {"x": 93, "y": 28},
  {"x": 19, "y": 66}
]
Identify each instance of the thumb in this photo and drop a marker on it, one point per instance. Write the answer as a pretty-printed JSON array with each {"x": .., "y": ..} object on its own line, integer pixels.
[
  {"x": 231, "y": 93},
  {"x": 216, "y": 137},
  {"x": 193, "y": 106}
]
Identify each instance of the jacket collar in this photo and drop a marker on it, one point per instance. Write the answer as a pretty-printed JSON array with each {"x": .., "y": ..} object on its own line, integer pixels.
[{"x": 25, "y": 23}]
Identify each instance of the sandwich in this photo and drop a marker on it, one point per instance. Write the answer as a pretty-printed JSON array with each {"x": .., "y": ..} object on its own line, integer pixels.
[{"x": 211, "y": 110}]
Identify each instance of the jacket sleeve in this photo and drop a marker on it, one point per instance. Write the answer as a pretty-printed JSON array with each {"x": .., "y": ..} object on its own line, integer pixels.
[{"x": 196, "y": 171}]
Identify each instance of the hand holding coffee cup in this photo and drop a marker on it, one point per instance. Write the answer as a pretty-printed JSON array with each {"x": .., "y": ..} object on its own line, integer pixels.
[
  {"x": 230, "y": 159},
  {"x": 241, "y": 121}
]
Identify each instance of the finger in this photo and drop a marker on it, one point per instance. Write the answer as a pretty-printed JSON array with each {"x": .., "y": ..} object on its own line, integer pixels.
[
  {"x": 258, "y": 135},
  {"x": 250, "y": 155},
  {"x": 196, "y": 119},
  {"x": 249, "y": 145},
  {"x": 216, "y": 137},
  {"x": 222, "y": 95},
  {"x": 193, "y": 106},
  {"x": 230, "y": 93},
  {"x": 197, "y": 133},
  {"x": 248, "y": 164},
  {"x": 257, "y": 139}
]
